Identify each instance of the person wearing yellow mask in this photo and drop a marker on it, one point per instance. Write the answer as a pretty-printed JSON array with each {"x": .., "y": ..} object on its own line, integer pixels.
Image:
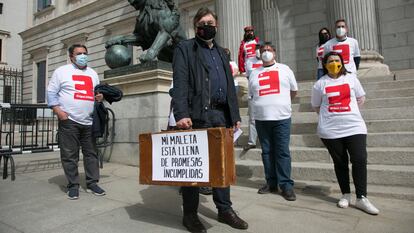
[{"x": 336, "y": 97}]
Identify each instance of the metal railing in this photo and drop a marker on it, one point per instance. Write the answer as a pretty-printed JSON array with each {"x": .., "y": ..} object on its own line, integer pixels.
[
  {"x": 33, "y": 128},
  {"x": 26, "y": 128}
]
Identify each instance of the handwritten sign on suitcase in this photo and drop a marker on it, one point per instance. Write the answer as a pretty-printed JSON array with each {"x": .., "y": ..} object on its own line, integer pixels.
[{"x": 203, "y": 157}]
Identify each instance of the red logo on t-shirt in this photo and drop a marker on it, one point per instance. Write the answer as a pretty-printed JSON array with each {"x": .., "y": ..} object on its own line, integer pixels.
[
  {"x": 343, "y": 49},
  {"x": 250, "y": 50},
  {"x": 320, "y": 53},
  {"x": 84, "y": 86},
  {"x": 269, "y": 83},
  {"x": 256, "y": 65},
  {"x": 339, "y": 98}
]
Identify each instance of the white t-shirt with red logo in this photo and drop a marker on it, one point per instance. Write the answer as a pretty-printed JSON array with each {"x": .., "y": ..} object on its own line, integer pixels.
[
  {"x": 339, "y": 114},
  {"x": 253, "y": 64},
  {"x": 348, "y": 48},
  {"x": 319, "y": 55},
  {"x": 269, "y": 89},
  {"x": 249, "y": 51},
  {"x": 75, "y": 92}
]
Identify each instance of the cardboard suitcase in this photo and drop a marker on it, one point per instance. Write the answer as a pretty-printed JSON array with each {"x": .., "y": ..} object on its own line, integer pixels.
[{"x": 199, "y": 157}]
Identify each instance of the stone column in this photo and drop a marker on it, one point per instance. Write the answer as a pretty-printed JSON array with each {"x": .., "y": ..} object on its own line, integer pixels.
[
  {"x": 361, "y": 18},
  {"x": 233, "y": 16}
]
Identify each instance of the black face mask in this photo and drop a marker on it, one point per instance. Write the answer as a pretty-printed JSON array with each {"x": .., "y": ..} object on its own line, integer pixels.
[
  {"x": 206, "y": 32},
  {"x": 323, "y": 38},
  {"x": 250, "y": 37}
]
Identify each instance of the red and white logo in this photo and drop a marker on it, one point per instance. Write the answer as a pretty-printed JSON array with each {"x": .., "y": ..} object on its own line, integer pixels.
[
  {"x": 84, "y": 86},
  {"x": 249, "y": 50},
  {"x": 320, "y": 53},
  {"x": 339, "y": 98},
  {"x": 256, "y": 65},
  {"x": 269, "y": 83},
  {"x": 343, "y": 49}
]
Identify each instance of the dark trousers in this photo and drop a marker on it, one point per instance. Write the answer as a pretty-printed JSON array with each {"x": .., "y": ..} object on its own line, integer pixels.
[
  {"x": 221, "y": 196},
  {"x": 356, "y": 147},
  {"x": 72, "y": 137}
]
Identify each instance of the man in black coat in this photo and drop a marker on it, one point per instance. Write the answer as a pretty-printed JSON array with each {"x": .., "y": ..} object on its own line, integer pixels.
[{"x": 204, "y": 96}]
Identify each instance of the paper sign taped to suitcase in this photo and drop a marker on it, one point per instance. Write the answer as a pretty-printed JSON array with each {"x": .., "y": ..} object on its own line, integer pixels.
[{"x": 181, "y": 156}]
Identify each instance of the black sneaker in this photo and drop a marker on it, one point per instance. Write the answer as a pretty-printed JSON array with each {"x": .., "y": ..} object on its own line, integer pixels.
[
  {"x": 289, "y": 195},
  {"x": 267, "y": 189},
  {"x": 206, "y": 190},
  {"x": 73, "y": 194},
  {"x": 95, "y": 189}
]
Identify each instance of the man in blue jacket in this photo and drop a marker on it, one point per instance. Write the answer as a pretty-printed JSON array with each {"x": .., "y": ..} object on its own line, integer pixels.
[{"x": 204, "y": 96}]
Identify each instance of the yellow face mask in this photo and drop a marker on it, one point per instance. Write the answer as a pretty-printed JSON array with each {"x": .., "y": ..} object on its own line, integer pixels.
[{"x": 334, "y": 67}]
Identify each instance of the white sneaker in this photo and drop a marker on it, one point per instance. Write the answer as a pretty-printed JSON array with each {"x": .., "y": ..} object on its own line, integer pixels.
[
  {"x": 364, "y": 204},
  {"x": 344, "y": 200}
]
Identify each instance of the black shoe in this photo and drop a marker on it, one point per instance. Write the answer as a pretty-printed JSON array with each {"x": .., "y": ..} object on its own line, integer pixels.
[
  {"x": 73, "y": 194},
  {"x": 248, "y": 147},
  {"x": 206, "y": 190},
  {"x": 267, "y": 189},
  {"x": 230, "y": 218},
  {"x": 289, "y": 195},
  {"x": 95, "y": 189},
  {"x": 193, "y": 223}
]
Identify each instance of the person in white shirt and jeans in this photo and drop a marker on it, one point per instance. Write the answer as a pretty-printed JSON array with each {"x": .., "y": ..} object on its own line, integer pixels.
[
  {"x": 271, "y": 88},
  {"x": 336, "y": 97},
  {"x": 71, "y": 95}
]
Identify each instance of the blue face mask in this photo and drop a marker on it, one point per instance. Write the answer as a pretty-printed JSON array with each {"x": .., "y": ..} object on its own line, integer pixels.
[{"x": 81, "y": 60}]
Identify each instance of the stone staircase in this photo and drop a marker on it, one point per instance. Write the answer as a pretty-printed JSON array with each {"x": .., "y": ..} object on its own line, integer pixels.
[{"x": 389, "y": 115}]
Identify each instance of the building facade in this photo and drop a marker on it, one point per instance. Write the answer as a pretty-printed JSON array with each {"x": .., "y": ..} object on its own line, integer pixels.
[
  {"x": 13, "y": 19},
  {"x": 384, "y": 29}
]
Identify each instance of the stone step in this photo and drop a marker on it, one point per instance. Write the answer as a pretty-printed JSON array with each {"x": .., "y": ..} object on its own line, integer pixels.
[
  {"x": 377, "y": 174},
  {"x": 374, "y": 126},
  {"x": 370, "y": 86},
  {"x": 404, "y": 74},
  {"x": 394, "y": 139},
  {"x": 390, "y": 139},
  {"x": 308, "y": 187},
  {"x": 369, "y": 104},
  {"x": 376, "y": 155},
  {"x": 390, "y": 78},
  {"x": 373, "y": 94},
  {"x": 368, "y": 115},
  {"x": 305, "y": 96}
]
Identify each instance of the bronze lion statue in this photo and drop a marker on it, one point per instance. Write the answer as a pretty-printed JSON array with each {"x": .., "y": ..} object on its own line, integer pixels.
[{"x": 157, "y": 30}]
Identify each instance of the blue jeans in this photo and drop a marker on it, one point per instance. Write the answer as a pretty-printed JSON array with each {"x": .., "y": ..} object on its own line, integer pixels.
[
  {"x": 274, "y": 138},
  {"x": 320, "y": 74}
]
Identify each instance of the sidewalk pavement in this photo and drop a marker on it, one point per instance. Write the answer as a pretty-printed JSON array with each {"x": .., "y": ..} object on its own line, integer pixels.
[{"x": 36, "y": 202}]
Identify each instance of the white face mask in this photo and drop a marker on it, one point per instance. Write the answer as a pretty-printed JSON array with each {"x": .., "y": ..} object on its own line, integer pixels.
[
  {"x": 340, "y": 32},
  {"x": 267, "y": 56},
  {"x": 258, "y": 53}
]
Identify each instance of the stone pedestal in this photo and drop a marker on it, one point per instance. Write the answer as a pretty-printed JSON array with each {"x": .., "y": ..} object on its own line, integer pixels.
[{"x": 144, "y": 107}]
